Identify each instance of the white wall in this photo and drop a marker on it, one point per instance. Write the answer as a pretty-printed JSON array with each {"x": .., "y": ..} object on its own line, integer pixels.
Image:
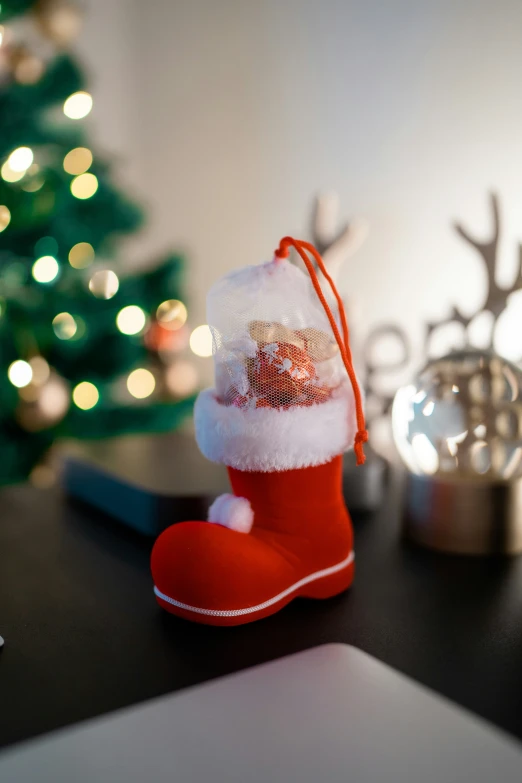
[{"x": 235, "y": 112}]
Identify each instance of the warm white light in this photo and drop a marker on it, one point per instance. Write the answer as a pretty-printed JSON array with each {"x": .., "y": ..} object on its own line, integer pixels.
[
  {"x": 8, "y": 175},
  {"x": 131, "y": 319},
  {"x": 45, "y": 269},
  {"x": 85, "y": 395},
  {"x": 2, "y": 32},
  {"x": 84, "y": 186},
  {"x": 172, "y": 314},
  {"x": 20, "y": 159},
  {"x": 201, "y": 341},
  {"x": 77, "y": 105},
  {"x": 141, "y": 383},
  {"x": 78, "y": 160},
  {"x": 64, "y": 326},
  {"x": 41, "y": 370},
  {"x": 104, "y": 284},
  {"x": 5, "y": 217},
  {"x": 81, "y": 255},
  {"x": 20, "y": 373},
  {"x": 54, "y": 399},
  {"x": 428, "y": 408}
]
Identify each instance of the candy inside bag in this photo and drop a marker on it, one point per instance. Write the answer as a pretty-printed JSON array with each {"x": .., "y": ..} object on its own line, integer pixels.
[{"x": 273, "y": 345}]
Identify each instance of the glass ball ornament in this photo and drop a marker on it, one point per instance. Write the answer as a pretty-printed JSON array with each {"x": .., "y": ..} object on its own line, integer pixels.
[{"x": 462, "y": 418}]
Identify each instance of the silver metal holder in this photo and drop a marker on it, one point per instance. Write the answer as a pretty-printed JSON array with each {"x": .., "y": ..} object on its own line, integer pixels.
[{"x": 465, "y": 516}]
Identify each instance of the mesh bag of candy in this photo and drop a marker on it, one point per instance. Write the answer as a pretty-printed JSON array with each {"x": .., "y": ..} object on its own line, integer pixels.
[{"x": 272, "y": 341}]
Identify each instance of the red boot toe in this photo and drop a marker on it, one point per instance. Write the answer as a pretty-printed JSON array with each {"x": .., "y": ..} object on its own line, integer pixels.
[{"x": 211, "y": 574}]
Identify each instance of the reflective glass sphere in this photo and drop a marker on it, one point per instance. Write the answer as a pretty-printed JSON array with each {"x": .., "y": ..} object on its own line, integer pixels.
[{"x": 462, "y": 415}]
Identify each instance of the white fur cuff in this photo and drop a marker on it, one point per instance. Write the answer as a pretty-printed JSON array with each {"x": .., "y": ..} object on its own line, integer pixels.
[
  {"x": 268, "y": 439},
  {"x": 232, "y": 512}
]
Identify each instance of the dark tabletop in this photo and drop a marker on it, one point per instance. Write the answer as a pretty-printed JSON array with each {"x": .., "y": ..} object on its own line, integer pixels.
[{"x": 84, "y": 634}]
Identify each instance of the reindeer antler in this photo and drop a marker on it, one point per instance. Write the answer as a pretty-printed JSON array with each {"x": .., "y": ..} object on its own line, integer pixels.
[
  {"x": 335, "y": 245},
  {"x": 496, "y": 296}
]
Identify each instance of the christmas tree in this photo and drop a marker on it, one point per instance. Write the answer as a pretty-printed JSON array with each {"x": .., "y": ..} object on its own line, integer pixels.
[{"x": 85, "y": 351}]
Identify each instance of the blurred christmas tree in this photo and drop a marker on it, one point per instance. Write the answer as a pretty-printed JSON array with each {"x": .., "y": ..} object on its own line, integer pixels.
[{"x": 84, "y": 352}]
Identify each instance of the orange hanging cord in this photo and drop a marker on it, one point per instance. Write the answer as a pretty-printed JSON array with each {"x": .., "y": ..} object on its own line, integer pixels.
[{"x": 283, "y": 251}]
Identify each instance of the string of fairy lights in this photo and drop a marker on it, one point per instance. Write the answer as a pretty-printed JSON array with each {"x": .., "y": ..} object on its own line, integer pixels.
[{"x": 26, "y": 375}]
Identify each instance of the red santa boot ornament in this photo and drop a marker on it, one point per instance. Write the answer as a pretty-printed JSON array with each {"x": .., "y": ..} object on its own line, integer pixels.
[{"x": 286, "y": 406}]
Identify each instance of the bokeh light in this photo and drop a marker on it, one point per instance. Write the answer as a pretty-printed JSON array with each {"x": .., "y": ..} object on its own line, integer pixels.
[
  {"x": 34, "y": 180},
  {"x": 41, "y": 370},
  {"x": 64, "y": 326},
  {"x": 104, "y": 284},
  {"x": 54, "y": 399},
  {"x": 81, "y": 255},
  {"x": 141, "y": 383},
  {"x": 33, "y": 185},
  {"x": 45, "y": 269},
  {"x": 77, "y": 105},
  {"x": 42, "y": 477},
  {"x": 8, "y": 175},
  {"x": 81, "y": 328},
  {"x": 84, "y": 186},
  {"x": 181, "y": 378},
  {"x": 172, "y": 314},
  {"x": 5, "y": 217},
  {"x": 20, "y": 159},
  {"x": 85, "y": 395},
  {"x": 201, "y": 341},
  {"x": 131, "y": 319},
  {"x": 20, "y": 373},
  {"x": 28, "y": 69},
  {"x": 78, "y": 160}
]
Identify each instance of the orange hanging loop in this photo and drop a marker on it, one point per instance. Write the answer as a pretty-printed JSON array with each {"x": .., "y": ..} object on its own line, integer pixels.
[{"x": 283, "y": 251}]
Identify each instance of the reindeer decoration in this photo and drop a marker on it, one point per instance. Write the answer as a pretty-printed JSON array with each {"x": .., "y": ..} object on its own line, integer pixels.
[
  {"x": 336, "y": 245},
  {"x": 496, "y": 297}
]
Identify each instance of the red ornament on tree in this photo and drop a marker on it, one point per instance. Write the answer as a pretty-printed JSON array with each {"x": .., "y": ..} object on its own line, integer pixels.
[{"x": 161, "y": 339}]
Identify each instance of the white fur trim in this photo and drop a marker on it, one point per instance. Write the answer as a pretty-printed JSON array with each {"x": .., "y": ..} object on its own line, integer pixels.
[
  {"x": 232, "y": 512},
  {"x": 267, "y": 439}
]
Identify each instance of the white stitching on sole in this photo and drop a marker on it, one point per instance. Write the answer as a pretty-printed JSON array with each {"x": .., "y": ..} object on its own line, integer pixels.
[{"x": 271, "y": 601}]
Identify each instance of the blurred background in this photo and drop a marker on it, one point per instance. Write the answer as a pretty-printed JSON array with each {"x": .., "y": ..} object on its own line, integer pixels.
[
  {"x": 229, "y": 117},
  {"x": 226, "y": 119}
]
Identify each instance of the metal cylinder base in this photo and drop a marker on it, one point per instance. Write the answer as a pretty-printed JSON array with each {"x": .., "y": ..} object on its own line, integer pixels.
[{"x": 464, "y": 516}]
